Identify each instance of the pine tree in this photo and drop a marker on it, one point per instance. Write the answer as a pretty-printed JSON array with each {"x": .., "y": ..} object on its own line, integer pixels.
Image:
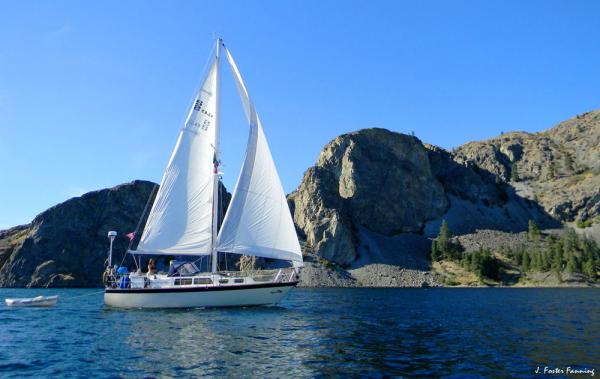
[
  {"x": 514, "y": 173},
  {"x": 443, "y": 240},
  {"x": 588, "y": 269},
  {"x": 571, "y": 240},
  {"x": 571, "y": 264},
  {"x": 546, "y": 259},
  {"x": 557, "y": 262},
  {"x": 533, "y": 231},
  {"x": 559, "y": 250},
  {"x": 465, "y": 262},
  {"x": 519, "y": 256},
  {"x": 536, "y": 260},
  {"x": 526, "y": 262},
  {"x": 474, "y": 263},
  {"x": 435, "y": 253},
  {"x": 489, "y": 265}
]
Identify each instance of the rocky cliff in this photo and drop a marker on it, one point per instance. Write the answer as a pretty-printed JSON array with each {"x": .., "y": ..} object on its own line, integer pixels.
[
  {"x": 374, "y": 196},
  {"x": 66, "y": 245},
  {"x": 375, "y": 179},
  {"x": 558, "y": 168}
]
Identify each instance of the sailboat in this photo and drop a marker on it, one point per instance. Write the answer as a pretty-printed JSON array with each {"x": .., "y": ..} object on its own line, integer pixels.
[{"x": 184, "y": 218}]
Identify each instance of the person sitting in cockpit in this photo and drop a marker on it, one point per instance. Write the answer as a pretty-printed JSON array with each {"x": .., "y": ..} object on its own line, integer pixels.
[{"x": 151, "y": 267}]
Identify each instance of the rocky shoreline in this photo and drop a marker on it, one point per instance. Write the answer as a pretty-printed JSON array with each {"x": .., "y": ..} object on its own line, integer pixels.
[
  {"x": 388, "y": 276},
  {"x": 371, "y": 275}
]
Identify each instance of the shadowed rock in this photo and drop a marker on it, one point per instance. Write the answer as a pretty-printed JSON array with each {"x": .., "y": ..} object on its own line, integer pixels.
[{"x": 66, "y": 245}]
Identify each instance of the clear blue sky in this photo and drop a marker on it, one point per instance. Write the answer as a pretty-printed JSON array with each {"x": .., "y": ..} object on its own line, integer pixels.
[{"x": 93, "y": 93}]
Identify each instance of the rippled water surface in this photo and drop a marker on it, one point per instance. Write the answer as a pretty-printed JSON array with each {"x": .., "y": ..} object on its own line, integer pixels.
[{"x": 325, "y": 332}]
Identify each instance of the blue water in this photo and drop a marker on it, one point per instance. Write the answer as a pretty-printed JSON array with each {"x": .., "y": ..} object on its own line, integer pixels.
[{"x": 323, "y": 333}]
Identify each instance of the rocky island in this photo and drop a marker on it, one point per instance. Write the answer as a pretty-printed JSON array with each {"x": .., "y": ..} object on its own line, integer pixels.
[{"x": 381, "y": 208}]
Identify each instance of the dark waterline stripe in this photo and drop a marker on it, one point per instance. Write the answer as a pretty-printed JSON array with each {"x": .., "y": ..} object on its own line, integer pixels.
[{"x": 200, "y": 289}]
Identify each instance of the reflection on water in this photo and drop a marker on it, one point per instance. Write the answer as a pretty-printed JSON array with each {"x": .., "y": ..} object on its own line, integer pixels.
[
  {"x": 203, "y": 342},
  {"x": 364, "y": 332}
]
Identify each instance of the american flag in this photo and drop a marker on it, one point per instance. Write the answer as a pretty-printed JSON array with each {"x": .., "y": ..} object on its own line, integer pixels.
[{"x": 216, "y": 163}]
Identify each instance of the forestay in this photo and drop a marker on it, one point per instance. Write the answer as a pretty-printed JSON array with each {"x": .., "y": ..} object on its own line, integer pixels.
[
  {"x": 180, "y": 220},
  {"x": 258, "y": 221}
]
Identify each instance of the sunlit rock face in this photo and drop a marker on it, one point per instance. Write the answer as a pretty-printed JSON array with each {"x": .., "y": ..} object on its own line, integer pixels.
[
  {"x": 372, "y": 178},
  {"x": 558, "y": 168}
]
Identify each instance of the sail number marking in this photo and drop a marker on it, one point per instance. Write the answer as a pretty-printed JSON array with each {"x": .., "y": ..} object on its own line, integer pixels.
[
  {"x": 203, "y": 122},
  {"x": 199, "y": 125},
  {"x": 198, "y": 108}
]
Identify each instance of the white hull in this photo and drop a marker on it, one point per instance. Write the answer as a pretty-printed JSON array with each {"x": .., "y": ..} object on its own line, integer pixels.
[
  {"x": 232, "y": 296},
  {"x": 40, "y": 301}
]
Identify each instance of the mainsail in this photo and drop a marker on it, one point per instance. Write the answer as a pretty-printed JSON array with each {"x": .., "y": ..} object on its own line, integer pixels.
[
  {"x": 258, "y": 221},
  {"x": 181, "y": 219}
]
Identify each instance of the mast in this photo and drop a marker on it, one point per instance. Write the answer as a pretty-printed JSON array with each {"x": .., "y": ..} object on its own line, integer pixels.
[{"x": 215, "y": 218}]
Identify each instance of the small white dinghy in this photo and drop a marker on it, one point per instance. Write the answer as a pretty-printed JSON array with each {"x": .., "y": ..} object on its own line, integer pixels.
[{"x": 40, "y": 301}]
